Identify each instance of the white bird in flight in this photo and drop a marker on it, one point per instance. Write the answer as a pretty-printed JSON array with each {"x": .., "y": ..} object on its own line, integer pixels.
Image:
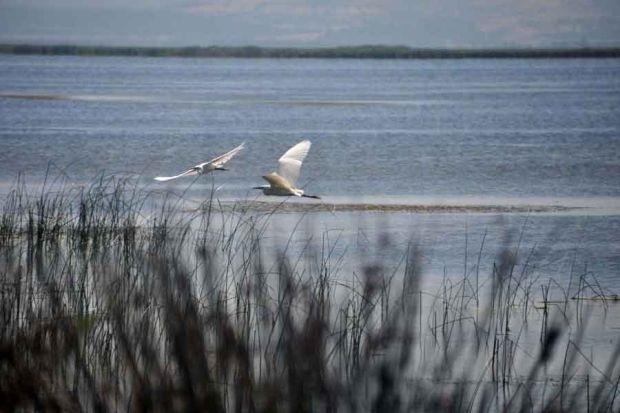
[
  {"x": 215, "y": 164},
  {"x": 282, "y": 183}
]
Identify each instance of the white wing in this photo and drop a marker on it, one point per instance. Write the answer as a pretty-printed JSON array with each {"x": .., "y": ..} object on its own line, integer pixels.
[
  {"x": 221, "y": 160},
  {"x": 212, "y": 164},
  {"x": 189, "y": 172},
  {"x": 290, "y": 162}
]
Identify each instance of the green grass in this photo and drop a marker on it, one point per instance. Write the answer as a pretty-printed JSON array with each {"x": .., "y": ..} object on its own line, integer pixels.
[{"x": 112, "y": 299}]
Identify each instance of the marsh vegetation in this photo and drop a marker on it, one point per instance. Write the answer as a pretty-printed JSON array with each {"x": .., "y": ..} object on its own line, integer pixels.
[{"x": 112, "y": 300}]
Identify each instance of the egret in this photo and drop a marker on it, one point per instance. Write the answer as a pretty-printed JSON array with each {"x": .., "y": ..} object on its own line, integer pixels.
[
  {"x": 215, "y": 164},
  {"x": 282, "y": 183}
]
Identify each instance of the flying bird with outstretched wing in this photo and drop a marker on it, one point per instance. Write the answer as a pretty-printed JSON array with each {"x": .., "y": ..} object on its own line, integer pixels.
[
  {"x": 283, "y": 182},
  {"x": 215, "y": 164}
]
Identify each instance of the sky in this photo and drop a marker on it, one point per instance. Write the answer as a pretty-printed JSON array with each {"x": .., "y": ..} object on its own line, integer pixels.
[{"x": 313, "y": 23}]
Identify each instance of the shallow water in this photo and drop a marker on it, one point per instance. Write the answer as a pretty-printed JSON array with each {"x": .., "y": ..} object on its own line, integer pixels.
[{"x": 473, "y": 142}]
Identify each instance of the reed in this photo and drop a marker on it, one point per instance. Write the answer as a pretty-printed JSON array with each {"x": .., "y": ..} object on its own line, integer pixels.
[{"x": 111, "y": 303}]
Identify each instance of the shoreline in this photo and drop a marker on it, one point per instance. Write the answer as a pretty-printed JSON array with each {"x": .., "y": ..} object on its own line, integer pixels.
[
  {"x": 270, "y": 206},
  {"x": 337, "y": 52}
]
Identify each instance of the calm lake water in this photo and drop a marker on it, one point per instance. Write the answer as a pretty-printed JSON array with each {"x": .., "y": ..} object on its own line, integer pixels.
[
  {"x": 416, "y": 132},
  {"x": 432, "y": 132}
]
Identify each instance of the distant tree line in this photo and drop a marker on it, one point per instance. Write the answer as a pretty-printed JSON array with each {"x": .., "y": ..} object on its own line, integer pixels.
[{"x": 354, "y": 52}]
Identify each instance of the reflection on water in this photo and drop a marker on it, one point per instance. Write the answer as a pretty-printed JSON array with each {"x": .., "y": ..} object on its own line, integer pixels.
[
  {"x": 564, "y": 274},
  {"x": 553, "y": 245}
]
